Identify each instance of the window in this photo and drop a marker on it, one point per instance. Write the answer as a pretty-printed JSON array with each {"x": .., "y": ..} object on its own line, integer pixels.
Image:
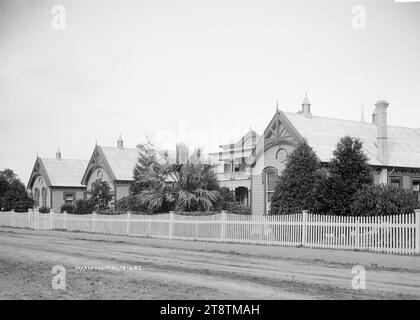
[
  {"x": 270, "y": 175},
  {"x": 416, "y": 188},
  {"x": 416, "y": 185},
  {"x": 395, "y": 182},
  {"x": 228, "y": 167},
  {"x": 44, "y": 197},
  {"x": 281, "y": 155},
  {"x": 68, "y": 198},
  {"x": 271, "y": 185},
  {"x": 36, "y": 197}
]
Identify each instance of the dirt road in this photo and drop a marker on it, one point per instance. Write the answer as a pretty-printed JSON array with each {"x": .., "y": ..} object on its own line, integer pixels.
[{"x": 163, "y": 269}]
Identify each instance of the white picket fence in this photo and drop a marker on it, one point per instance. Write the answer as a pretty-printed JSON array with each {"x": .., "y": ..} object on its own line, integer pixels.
[{"x": 389, "y": 234}]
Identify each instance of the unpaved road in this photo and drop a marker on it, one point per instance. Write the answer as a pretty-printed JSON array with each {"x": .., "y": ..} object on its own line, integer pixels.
[{"x": 192, "y": 270}]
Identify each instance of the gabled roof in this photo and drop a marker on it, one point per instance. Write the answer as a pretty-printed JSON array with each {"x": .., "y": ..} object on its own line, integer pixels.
[
  {"x": 323, "y": 135},
  {"x": 59, "y": 173},
  {"x": 121, "y": 161}
]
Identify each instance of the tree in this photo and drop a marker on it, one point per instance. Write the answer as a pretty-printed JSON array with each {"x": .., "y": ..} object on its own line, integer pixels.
[
  {"x": 161, "y": 186},
  {"x": 100, "y": 194},
  {"x": 226, "y": 197},
  {"x": 13, "y": 194},
  {"x": 348, "y": 172},
  {"x": 294, "y": 189},
  {"x": 146, "y": 160}
]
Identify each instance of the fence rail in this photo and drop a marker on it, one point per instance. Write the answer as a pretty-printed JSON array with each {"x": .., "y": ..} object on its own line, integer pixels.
[{"x": 386, "y": 234}]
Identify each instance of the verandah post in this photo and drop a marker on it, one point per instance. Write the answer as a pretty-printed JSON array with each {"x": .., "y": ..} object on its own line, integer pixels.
[
  {"x": 171, "y": 221},
  {"x": 417, "y": 231},
  {"x": 304, "y": 223}
]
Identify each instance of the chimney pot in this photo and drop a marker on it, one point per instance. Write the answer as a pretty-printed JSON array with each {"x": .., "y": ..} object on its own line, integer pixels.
[
  {"x": 306, "y": 107},
  {"x": 380, "y": 120},
  {"x": 58, "y": 154}
]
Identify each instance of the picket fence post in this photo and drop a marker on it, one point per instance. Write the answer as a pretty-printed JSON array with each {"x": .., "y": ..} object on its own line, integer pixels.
[
  {"x": 51, "y": 218},
  {"x": 304, "y": 224},
  {"x": 12, "y": 222},
  {"x": 36, "y": 219},
  {"x": 93, "y": 221},
  {"x": 128, "y": 221},
  {"x": 417, "y": 231},
  {"x": 171, "y": 221},
  {"x": 64, "y": 220},
  {"x": 223, "y": 226},
  {"x": 30, "y": 211}
]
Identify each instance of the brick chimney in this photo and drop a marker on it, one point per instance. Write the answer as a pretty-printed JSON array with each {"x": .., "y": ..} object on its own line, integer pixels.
[{"x": 379, "y": 118}]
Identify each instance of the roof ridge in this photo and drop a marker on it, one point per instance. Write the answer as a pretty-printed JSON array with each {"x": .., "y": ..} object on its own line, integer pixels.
[
  {"x": 347, "y": 120},
  {"x": 62, "y": 159},
  {"x": 111, "y": 147}
]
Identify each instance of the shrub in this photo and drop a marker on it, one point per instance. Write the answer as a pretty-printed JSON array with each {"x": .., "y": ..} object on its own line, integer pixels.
[
  {"x": 127, "y": 204},
  {"x": 237, "y": 208},
  {"x": 24, "y": 205},
  {"x": 110, "y": 212},
  {"x": 44, "y": 210},
  {"x": 226, "y": 198},
  {"x": 84, "y": 207},
  {"x": 383, "y": 200},
  {"x": 100, "y": 194},
  {"x": 69, "y": 208}
]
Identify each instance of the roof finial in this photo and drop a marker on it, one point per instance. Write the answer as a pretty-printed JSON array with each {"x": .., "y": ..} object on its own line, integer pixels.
[
  {"x": 277, "y": 106},
  {"x": 120, "y": 142}
]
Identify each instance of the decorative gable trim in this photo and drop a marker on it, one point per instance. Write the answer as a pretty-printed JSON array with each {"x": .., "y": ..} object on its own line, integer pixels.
[
  {"x": 37, "y": 171},
  {"x": 279, "y": 131},
  {"x": 97, "y": 160}
]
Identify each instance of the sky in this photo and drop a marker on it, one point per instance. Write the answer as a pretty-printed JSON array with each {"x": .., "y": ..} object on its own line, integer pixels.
[{"x": 197, "y": 71}]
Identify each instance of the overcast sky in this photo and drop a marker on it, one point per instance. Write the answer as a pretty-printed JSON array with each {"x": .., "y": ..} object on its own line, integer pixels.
[{"x": 151, "y": 67}]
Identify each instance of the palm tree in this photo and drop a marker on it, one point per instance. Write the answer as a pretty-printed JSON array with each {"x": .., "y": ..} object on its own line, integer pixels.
[{"x": 189, "y": 186}]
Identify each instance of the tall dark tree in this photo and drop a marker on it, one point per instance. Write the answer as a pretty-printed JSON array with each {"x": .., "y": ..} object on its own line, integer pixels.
[
  {"x": 294, "y": 188},
  {"x": 13, "y": 193},
  {"x": 147, "y": 160},
  {"x": 348, "y": 172}
]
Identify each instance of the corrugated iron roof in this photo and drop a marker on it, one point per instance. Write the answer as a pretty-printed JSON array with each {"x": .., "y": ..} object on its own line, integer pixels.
[
  {"x": 122, "y": 161},
  {"x": 324, "y": 133},
  {"x": 65, "y": 172}
]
